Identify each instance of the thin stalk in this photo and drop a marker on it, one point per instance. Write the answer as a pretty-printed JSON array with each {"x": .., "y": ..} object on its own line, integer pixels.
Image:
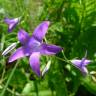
[
  {"x": 65, "y": 90},
  {"x": 64, "y": 56},
  {"x": 9, "y": 79},
  {"x": 1, "y": 49},
  {"x": 3, "y": 73},
  {"x": 36, "y": 88},
  {"x": 60, "y": 59},
  {"x": 2, "y": 42}
]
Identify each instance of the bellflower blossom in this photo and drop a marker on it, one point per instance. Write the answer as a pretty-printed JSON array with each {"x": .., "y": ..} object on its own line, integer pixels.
[
  {"x": 11, "y": 23},
  {"x": 81, "y": 64},
  {"x": 34, "y": 46}
]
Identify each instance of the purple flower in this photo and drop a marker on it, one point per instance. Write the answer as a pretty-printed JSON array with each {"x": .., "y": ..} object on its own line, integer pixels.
[
  {"x": 34, "y": 47},
  {"x": 11, "y": 23},
  {"x": 81, "y": 64}
]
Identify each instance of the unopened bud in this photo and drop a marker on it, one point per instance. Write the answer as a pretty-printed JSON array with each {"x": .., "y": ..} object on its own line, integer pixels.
[
  {"x": 9, "y": 49},
  {"x": 46, "y": 68}
]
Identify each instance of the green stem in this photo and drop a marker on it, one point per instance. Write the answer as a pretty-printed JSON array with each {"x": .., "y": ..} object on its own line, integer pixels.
[
  {"x": 9, "y": 79},
  {"x": 36, "y": 88},
  {"x": 3, "y": 73},
  {"x": 60, "y": 59},
  {"x": 2, "y": 42},
  {"x": 64, "y": 56},
  {"x": 66, "y": 91}
]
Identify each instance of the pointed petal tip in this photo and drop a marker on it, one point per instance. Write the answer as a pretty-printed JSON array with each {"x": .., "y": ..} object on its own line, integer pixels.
[
  {"x": 49, "y": 49},
  {"x": 19, "y": 18},
  {"x": 19, "y": 53},
  {"x": 84, "y": 71},
  {"x": 9, "y": 30},
  {"x": 35, "y": 63},
  {"x": 48, "y": 22},
  {"x": 61, "y": 49},
  {"x": 9, "y": 61},
  {"x": 39, "y": 74}
]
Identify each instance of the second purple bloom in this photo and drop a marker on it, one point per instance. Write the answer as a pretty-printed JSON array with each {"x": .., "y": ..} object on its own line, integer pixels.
[{"x": 11, "y": 23}]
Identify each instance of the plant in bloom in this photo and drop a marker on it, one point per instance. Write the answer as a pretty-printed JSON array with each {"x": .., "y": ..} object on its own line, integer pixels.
[
  {"x": 34, "y": 46},
  {"x": 81, "y": 64},
  {"x": 11, "y": 23}
]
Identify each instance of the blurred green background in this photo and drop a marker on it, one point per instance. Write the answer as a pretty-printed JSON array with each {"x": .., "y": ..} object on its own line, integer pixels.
[{"x": 73, "y": 27}]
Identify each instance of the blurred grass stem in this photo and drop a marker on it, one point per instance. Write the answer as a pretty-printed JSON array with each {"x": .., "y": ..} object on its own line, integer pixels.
[{"x": 9, "y": 79}]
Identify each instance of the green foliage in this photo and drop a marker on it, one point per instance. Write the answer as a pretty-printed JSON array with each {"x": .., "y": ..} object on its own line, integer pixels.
[{"x": 73, "y": 27}]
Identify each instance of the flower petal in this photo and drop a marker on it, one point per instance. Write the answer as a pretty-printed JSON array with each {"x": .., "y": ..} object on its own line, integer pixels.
[
  {"x": 23, "y": 36},
  {"x": 11, "y": 27},
  {"x": 76, "y": 62},
  {"x": 84, "y": 70},
  {"x": 9, "y": 21},
  {"x": 49, "y": 49},
  {"x": 35, "y": 63},
  {"x": 41, "y": 30},
  {"x": 87, "y": 62},
  {"x": 12, "y": 23},
  {"x": 20, "y": 52}
]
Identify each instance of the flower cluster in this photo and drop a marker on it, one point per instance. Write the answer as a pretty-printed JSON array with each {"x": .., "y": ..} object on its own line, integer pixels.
[{"x": 33, "y": 46}]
